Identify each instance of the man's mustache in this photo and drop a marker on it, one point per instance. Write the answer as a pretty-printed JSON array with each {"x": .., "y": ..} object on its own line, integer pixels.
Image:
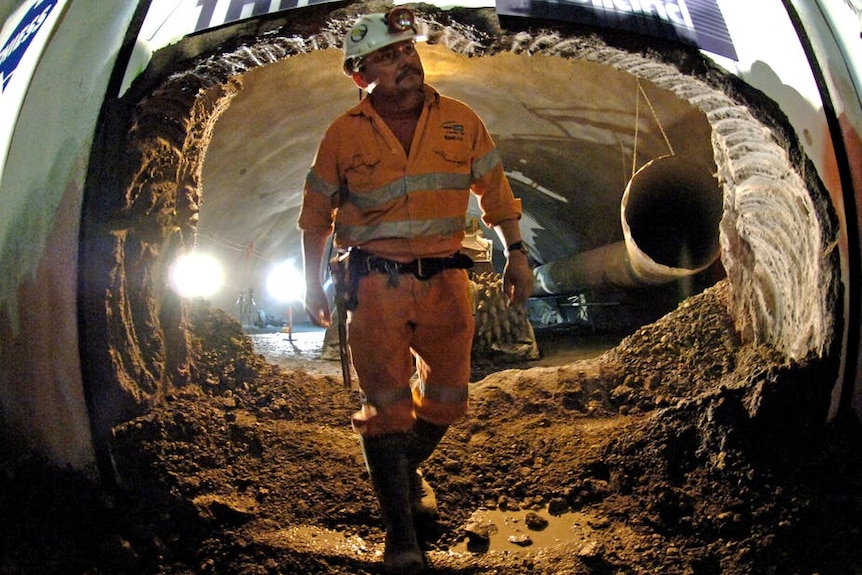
[{"x": 406, "y": 72}]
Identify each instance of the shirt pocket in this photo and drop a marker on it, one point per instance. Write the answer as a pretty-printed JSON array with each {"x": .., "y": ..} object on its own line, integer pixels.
[
  {"x": 454, "y": 158},
  {"x": 360, "y": 171}
]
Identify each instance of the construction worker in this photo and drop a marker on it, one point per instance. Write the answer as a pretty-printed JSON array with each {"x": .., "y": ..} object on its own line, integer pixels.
[{"x": 392, "y": 178}]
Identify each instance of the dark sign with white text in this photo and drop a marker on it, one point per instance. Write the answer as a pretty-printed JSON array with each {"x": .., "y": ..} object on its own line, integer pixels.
[
  {"x": 695, "y": 22},
  {"x": 217, "y": 12},
  {"x": 14, "y": 48}
]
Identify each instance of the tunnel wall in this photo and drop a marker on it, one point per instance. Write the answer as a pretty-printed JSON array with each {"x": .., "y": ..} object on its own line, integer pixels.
[
  {"x": 832, "y": 38},
  {"x": 42, "y": 400}
]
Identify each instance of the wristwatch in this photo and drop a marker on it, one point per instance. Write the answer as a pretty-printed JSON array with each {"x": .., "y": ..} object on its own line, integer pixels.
[{"x": 517, "y": 247}]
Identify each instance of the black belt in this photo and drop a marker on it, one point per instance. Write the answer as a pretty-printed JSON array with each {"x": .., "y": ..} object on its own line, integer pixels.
[{"x": 362, "y": 263}]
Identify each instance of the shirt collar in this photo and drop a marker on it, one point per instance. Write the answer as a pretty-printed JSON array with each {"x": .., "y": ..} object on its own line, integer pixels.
[{"x": 364, "y": 108}]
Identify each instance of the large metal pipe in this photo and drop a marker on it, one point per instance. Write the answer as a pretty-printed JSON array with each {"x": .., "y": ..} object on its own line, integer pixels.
[{"x": 670, "y": 213}]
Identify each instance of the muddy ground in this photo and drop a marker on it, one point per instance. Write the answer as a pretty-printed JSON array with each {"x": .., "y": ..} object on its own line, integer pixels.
[{"x": 679, "y": 451}]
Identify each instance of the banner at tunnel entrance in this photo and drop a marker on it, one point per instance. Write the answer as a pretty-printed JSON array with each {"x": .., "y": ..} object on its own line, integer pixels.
[
  {"x": 217, "y": 12},
  {"x": 694, "y": 22},
  {"x": 23, "y": 38},
  {"x": 169, "y": 20}
]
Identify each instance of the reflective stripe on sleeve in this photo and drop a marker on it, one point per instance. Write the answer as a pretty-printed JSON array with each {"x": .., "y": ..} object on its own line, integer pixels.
[
  {"x": 486, "y": 163},
  {"x": 314, "y": 183}
]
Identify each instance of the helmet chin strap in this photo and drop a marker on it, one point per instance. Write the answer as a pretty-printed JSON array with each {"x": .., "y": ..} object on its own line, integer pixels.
[
  {"x": 366, "y": 91},
  {"x": 363, "y": 86}
]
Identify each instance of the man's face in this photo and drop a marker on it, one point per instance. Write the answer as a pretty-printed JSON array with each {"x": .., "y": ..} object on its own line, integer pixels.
[{"x": 397, "y": 68}]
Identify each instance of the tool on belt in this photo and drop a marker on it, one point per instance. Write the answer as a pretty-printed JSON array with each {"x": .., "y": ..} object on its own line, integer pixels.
[{"x": 338, "y": 269}]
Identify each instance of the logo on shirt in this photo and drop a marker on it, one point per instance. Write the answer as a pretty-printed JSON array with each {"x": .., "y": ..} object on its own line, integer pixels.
[{"x": 453, "y": 131}]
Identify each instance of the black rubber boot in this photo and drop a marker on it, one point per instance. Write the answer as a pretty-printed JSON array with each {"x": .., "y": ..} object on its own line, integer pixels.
[
  {"x": 424, "y": 438},
  {"x": 385, "y": 457}
]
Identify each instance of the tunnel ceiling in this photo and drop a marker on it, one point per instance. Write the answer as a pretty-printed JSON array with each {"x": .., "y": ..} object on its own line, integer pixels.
[{"x": 567, "y": 130}]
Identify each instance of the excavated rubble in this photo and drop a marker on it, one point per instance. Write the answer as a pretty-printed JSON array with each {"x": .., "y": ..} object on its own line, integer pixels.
[{"x": 682, "y": 450}]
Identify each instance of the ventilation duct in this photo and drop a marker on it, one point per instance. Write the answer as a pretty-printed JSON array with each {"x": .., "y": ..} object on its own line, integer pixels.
[{"x": 670, "y": 214}]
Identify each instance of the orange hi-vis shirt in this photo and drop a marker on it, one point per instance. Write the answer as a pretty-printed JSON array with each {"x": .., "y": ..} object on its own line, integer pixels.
[{"x": 398, "y": 207}]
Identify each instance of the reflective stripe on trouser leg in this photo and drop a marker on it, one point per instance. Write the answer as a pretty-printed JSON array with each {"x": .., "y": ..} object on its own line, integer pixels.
[
  {"x": 432, "y": 318},
  {"x": 443, "y": 342}
]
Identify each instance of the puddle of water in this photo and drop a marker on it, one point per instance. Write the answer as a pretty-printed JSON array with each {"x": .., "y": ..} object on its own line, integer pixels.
[
  {"x": 318, "y": 540},
  {"x": 510, "y": 531}
]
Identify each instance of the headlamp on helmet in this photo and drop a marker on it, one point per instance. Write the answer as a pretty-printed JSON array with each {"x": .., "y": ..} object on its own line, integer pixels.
[
  {"x": 400, "y": 19},
  {"x": 374, "y": 31}
]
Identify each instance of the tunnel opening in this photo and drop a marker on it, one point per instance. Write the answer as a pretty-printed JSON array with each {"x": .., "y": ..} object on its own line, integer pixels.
[
  {"x": 253, "y": 190},
  {"x": 695, "y": 390}
]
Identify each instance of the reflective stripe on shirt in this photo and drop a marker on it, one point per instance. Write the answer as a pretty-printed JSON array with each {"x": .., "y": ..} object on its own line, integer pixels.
[
  {"x": 407, "y": 184},
  {"x": 401, "y": 229}
]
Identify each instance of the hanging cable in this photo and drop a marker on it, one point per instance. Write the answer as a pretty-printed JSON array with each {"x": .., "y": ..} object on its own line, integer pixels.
[
  {"x": 637, "y": 122},
  {"x": 655, "y": 117},
  {"x": 640, "y": 91}
]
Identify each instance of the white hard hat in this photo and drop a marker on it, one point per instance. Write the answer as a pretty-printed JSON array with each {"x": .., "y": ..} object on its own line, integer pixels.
[{"x": 374, "y": 31}]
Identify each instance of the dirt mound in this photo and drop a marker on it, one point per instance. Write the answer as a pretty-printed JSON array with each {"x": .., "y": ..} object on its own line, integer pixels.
[{"x": 680, "y": 451}]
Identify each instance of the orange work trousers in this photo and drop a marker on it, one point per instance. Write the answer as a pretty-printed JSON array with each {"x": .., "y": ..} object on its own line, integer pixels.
[{"x": 421, "y": 327}]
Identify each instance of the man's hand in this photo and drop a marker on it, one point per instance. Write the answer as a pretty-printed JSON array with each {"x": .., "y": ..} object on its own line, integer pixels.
[
  {"x": 316, "y": 302},
  {"x": 517, "y": 275},
  {"x": 317, "y": 305},
  {"x": 517, "y": 279}
]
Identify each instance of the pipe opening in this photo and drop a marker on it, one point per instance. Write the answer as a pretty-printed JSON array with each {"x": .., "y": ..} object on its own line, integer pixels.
[{"x": 672, "y": 207}]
